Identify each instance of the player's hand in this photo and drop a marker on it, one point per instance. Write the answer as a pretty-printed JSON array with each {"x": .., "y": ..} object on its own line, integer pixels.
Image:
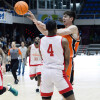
[{"x": 31, "y": 17}]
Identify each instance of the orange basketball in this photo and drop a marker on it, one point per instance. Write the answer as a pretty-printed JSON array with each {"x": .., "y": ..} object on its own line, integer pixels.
[{"x": 21, "y": 7}]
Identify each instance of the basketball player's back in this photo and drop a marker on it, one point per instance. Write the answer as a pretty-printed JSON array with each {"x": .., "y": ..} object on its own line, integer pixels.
[
  {"x": 52, "y": 52},
  {"x": 55, "y": 51}
]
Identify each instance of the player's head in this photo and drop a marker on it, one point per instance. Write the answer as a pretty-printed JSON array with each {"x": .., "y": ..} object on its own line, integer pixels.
[
  {"x": 68, "y": 17},
  {"x": 13, "y": 44},
  {"x": 37, "y": 40},
  {"x": 51, "y": 26},
  {"x": 22, "y": 44}
]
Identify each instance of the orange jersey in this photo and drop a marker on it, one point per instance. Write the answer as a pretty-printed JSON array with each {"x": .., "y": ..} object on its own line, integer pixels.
[{"x": 73, "y": 44}]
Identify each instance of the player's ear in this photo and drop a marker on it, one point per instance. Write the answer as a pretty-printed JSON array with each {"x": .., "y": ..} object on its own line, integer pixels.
[{"x": 71, "y": 18}]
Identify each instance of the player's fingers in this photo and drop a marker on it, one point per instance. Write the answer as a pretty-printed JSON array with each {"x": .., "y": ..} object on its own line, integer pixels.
[{"x": 30, "y": 12}]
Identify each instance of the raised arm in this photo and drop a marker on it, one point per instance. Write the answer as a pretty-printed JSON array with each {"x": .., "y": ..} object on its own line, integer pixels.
[
  {"x": 41, "y": 26},
  {"x": 66, "y": 52}
]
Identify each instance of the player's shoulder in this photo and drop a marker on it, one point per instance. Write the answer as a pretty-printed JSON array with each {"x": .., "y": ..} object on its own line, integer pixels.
[
  {"x": 43, "y": 38},
  {"x": 73, "y": 26}
]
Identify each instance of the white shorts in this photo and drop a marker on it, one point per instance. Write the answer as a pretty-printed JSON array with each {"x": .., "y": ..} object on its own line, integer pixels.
[
  {"x": 51, "y": 78},
  {"x": 35, "y": 70},
  {"x": 1, "y": 81}
]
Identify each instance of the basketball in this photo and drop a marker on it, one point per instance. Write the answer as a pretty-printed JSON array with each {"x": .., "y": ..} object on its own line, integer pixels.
[{"x": 21, "y": 7}]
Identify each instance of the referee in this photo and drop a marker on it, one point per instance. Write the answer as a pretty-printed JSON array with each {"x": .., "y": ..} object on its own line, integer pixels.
[{"x": 14, "y": 52}]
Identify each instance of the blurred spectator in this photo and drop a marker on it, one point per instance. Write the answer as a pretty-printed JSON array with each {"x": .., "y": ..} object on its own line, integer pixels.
[
  {"x": 28, "y": 40},
  {"x": 1, "y": 44},
  {"x": 5, "y": 49},
  {"x": 9, "y": 45},
  {"x": 23, "y": 50}
]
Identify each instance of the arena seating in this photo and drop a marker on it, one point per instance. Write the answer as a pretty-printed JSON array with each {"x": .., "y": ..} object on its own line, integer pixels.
[{"x": 91, "y": 7}]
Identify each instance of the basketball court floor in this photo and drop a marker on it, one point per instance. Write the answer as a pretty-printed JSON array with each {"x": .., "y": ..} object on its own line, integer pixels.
[{"x": 86, "y": 84}]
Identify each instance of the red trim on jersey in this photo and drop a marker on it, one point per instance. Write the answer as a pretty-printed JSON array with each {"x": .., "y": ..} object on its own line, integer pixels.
[
  {"x": 51, "y": 36},
  {"x": 35, "y": 65},
  {"x": 1, "y": 87},
  {"x": 46, "y": 94},
  {"x": 32, "y": 75},
  {"x": 70, "y": 86}
]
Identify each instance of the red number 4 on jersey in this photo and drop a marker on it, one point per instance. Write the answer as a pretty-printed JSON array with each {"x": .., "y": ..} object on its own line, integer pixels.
[{"x": 50, "y": 50}]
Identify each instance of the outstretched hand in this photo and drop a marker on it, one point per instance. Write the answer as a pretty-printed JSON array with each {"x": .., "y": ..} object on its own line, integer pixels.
[{"x": 31, "y": 16}]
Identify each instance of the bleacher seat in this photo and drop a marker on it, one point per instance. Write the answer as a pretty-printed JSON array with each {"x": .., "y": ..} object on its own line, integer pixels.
[
  {"x": 91, "y": 7},
  {"x": 84, "y": 9}
]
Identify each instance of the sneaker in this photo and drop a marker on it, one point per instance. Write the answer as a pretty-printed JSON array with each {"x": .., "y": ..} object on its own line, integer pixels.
[
  {"x": 37, "y": 90},
  {"x": 16, "y": 82},
  {"x": 13, "y": 91}
]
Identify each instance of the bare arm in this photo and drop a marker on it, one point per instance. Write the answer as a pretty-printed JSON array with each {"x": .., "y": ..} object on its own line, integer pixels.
[
  {"x": 41, "y": 26},
  {"x": 71, "y": 30},
  {"x": 28, "y": 51},
  {"x": 66, "y": 52}
]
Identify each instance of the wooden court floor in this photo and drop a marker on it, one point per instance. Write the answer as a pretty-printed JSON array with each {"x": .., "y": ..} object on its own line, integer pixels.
[{"x": 86, "y": 83}]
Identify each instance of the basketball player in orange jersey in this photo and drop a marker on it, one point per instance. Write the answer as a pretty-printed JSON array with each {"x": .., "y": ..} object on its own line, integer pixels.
[
  {"x": 55, "y": 53},
  {"x": 35, "y": 61},
  {"x": 70, "y": 32}
]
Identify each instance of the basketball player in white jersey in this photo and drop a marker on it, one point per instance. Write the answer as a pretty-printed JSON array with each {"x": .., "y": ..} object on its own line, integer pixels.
[
  {"x": 55, "y": 54},
  {"x": 70, "y": 32},
  {"x": 4, "y": 89},
  {"x": 35, "y": 61}
]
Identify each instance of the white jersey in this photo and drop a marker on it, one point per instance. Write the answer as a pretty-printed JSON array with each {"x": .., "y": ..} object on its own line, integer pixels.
[
  {"x": 34, "y": 59},
  {"x": 52, "y": 52}
]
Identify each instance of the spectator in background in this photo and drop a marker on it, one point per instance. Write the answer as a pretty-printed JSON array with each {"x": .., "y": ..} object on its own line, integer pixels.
[
  {"x": 1, "y": 44},
  {"x": 23, "y": 49},
  {"x": 28, "y": 40},
  {"x": 9, "y": 45},
  {"x": 5, "y": 49}
]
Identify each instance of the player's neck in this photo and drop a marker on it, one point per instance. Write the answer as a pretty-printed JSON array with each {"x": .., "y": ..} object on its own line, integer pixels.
[
  {"x": 68, "y": 25},
  {"x": 51, "y": 34},
  {"x": 36, "y": 45},
  {"x": 14, "y": 47}
]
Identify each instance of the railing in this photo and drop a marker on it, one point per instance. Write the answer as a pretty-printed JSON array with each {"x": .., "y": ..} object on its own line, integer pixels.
[
  {"x": 88, "y": 16},
  {"x": 14, "y": 13}
]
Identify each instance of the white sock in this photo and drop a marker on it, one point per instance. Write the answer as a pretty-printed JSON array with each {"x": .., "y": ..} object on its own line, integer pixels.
[
  {"x": 8, "y": 87},
  {"x": 38, "y": 87}
]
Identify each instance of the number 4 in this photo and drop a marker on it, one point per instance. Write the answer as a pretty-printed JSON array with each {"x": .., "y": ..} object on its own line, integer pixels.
[{"x": 50, "y": 50}]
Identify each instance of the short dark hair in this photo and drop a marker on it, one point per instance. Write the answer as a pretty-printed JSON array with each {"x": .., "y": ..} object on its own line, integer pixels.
[
  {"x": 51, "y": 25},
  {"x": 70, "y": 14}
]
